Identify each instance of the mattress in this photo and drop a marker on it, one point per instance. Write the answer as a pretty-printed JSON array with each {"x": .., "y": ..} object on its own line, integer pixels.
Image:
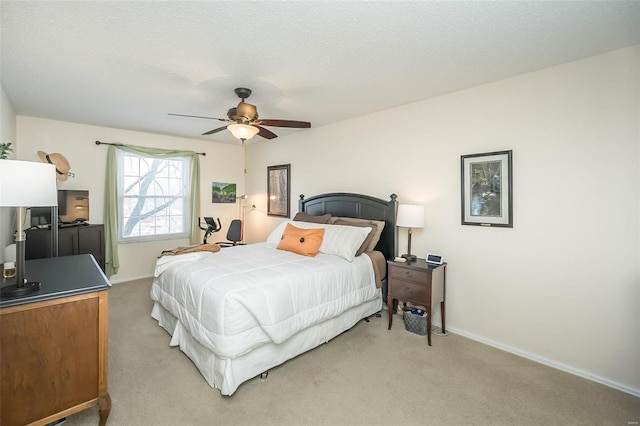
[{"x": 243, "y": 297}]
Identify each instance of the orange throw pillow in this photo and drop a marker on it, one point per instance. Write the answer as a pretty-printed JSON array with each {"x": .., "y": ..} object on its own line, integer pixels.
[{"x": 301, "y": 241}]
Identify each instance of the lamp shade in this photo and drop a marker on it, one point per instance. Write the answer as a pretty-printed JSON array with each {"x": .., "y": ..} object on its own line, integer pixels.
[
  {"x": 243, "y": 131},
  {"x": 410, "y": 216},
  {"x": 27, "y": 184}
]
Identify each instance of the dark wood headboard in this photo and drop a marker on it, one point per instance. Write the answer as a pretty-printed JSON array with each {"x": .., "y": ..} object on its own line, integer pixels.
[{"x": 361, "y": 207}]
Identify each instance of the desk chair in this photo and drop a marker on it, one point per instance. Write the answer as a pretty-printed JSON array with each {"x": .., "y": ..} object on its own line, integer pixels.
[{"x": 234, "y": 235}]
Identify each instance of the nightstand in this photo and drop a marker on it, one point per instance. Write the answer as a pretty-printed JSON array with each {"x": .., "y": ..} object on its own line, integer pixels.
[{"x": 417, "y": 282}]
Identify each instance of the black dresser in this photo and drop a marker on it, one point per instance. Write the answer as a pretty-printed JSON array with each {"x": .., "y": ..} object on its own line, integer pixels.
[{"x": 81, "y": 239}]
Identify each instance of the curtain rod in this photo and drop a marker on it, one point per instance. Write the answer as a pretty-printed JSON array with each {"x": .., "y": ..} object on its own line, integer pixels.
[{"x": 119, "y": 144}]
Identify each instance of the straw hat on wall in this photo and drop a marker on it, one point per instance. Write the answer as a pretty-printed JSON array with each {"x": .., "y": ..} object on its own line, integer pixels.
[{"x": 58, "y": 160}]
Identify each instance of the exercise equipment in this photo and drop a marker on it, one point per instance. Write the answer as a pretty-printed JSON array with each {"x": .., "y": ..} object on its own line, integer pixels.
[{"x": 212, "y": 227}]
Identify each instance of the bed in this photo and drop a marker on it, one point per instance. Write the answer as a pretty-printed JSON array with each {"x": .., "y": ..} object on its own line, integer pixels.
[{"x": 243, "y": 310}]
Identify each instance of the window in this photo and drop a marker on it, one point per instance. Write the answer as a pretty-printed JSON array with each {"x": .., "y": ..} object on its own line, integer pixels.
[{"x": 153, "y": 197}]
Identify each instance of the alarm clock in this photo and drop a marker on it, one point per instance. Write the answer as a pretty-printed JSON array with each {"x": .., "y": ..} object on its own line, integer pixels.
[{"x": 434, "y": 259}]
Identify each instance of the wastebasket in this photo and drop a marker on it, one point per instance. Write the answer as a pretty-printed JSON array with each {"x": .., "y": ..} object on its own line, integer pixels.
[{"x": 415, "y": 321}]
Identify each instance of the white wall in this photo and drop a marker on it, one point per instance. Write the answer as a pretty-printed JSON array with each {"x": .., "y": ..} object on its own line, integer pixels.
[
  {"x": 223, "y": 163},
  {"x": 561, "y": 286},
  {"x": 7, "y": 135}
]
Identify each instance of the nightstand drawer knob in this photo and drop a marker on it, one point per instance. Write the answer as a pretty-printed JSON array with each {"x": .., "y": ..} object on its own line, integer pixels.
[
  {"x": 408, "y": 273},
  {"x": 408, "y": 290}
]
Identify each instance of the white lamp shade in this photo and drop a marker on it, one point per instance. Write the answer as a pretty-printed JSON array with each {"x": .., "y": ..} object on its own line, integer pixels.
[
  {"x": 410, "y": 216},
  {"x": 243, "y": 131},
  {"x": 27, "y": 184}
]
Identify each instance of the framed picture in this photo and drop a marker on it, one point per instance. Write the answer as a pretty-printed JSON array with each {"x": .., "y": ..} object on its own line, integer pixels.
[
  {"x": 278, "y": 190},
  {"x": 487, "y": 190},
  {"x": 223, "y": 192}
]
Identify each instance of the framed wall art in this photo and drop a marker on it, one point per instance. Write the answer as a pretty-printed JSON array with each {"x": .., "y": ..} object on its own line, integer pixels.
[
  {"x": 487, "y": 189},
  {"x": 278, "y": 190},
  {"x": 223, "y": 192}
]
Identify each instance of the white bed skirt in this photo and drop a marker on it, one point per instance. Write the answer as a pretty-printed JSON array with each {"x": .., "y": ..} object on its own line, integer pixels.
[{"x": 227, "y": 374}]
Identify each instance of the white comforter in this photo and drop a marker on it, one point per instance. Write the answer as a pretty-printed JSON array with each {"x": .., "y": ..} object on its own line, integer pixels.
[{"x": 245, "y": 296}]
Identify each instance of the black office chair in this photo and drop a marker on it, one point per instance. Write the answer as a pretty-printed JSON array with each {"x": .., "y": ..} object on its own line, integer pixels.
[{"x": 234, "y": 235}]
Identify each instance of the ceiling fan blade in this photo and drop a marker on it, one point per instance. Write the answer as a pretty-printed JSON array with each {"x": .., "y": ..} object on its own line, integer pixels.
[
  {"x": 265, "y": 133},
  {"x": 285, "y": 123},
  {"x": 210, "y": 132},
  {"x": 199, "y": 116}
]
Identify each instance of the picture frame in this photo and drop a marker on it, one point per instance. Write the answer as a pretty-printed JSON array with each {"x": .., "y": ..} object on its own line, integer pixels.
[
  {"x": 222, "y": 192},
  {"x": 487, "y": 189},
  {"x": 279, "y": 190}
]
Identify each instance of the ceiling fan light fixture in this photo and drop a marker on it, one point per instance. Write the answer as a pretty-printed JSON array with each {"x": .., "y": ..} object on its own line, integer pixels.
[{"x": 242, "y": 131}]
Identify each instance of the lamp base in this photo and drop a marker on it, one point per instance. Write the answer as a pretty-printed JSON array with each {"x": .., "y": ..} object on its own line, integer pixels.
[
  {"x": 410, "y": 257},
  {"x": 15, "y": 291}
]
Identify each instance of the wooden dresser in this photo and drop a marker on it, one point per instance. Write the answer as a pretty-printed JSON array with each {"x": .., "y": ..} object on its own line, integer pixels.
[{"x": 53, "y": 343}]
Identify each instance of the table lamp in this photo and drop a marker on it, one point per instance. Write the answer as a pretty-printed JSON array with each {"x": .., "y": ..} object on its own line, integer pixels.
[
  {"x": 25, "y": 184},
  {"x": 410, "y": 216}
]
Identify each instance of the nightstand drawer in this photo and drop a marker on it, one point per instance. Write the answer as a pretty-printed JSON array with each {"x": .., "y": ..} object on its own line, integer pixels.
[
  {"x": 402, "y": 289},
  {"x": 410, "y": 275}
]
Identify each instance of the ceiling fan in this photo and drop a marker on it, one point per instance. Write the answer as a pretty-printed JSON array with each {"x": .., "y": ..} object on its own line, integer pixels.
[{"x": 244, "y": 120}]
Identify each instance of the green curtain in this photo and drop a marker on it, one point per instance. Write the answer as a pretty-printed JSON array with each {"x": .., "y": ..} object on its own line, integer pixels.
[{"x": 111, "y": 197}]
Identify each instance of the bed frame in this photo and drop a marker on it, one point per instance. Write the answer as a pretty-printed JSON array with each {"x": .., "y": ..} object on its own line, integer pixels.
[{"x": 361, "y": 207}]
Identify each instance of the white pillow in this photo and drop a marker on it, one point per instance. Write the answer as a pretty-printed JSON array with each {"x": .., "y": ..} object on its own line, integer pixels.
[
  {"x": 276, "y": 235},
  {"x": 339, "y": 240}
]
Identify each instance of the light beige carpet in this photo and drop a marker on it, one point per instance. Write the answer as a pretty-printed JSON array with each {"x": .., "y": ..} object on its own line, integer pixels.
[{"x": 366, "y": 376}]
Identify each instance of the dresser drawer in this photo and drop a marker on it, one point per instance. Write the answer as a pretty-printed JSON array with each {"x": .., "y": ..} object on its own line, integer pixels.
[
  {"x": 407, "y": 290},
  {"x": 410, "y": 275}
]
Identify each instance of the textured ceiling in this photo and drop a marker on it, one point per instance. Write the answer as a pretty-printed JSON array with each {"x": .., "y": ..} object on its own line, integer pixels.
[{"x": 127, "y": 64}]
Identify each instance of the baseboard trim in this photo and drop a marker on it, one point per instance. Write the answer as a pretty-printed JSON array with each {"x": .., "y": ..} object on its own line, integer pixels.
[{"x": 546, "y": 361}]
